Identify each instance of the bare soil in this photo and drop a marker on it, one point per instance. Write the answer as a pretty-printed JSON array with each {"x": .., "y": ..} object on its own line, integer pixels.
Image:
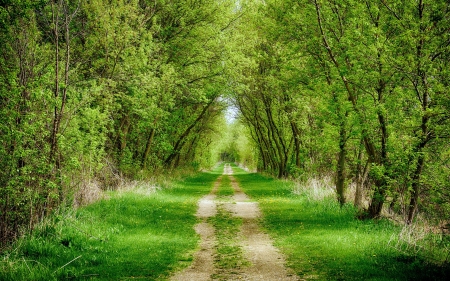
[{"x": 265, "y": 260}]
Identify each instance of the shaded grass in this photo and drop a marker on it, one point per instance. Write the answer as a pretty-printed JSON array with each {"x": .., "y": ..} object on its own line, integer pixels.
[
  {"x": 124, "y": 237},
  {"x": 325, "y": 242}
]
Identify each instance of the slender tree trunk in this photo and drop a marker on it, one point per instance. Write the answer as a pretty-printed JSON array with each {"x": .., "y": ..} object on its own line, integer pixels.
[
  {"x": 341, "y": 171},
  {"x": 378, "y": 198},
  {"x": 148, "y": 146},
  {"x": 59, "y": 110},
  {"x": 421, "y": 79},
  {"x": 256, "y": 133},
  {"x": 181, "y": 140},
  {"x": 277, "y": 138},
  {"x": 261, "y": 146},
  {"x": 124, "y": 128},
  {"x": 361, "y": 177},
  {"x": 53, "y": 137},
  {"x": 415, "y": 189},
  {"x": 297, "y": 144}
]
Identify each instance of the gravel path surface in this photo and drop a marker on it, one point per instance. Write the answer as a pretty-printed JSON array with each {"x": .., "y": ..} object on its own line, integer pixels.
[{"x": 265, "y": 261}]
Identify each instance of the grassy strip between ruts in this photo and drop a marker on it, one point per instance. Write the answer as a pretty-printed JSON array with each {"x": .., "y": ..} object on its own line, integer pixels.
[
  {"x": 125, "y": 237},
  {"x": 225, "y": 188},
  {"x": 325, "y": 242},
  {"x": 229, "y": 256}
]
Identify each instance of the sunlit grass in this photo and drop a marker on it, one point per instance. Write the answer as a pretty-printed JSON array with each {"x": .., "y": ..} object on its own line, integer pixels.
[
  {"x": 130, "y": 235},
  {"x": 229, "y": 255},
  {"x": 225, "y": 188},
  {"x": 325, "y": 242}
]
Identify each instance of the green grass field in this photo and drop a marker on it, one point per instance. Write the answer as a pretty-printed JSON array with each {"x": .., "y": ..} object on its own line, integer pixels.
[
  {"x": 325, "y": 242},
  {"x": 134, "y": 235},
  {"x": 128, "y": 236}
]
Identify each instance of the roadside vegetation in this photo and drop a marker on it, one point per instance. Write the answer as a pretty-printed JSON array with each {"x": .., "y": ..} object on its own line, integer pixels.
[
  {"x": 96, "y": 95},
  {"x": 139, "y": 233},
  {"x": 324, "y": 241},
  {"x": 149, "y": 233}
]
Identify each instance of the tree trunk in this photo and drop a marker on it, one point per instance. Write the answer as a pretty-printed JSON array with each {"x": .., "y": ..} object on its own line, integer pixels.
[
  {"x": 425, "y": 132},
  {"x": 360, "y": 179},
  {"x": 341, "y": 172},
  {"x": 148, "y": 146},
  {"x": 53, "y": 140},
  {"x": 277, "y": 138},
  {"x": 181, "y": 140},
  {"x": 296, "y": 135},
  {"x": 378, "y": 198},
  {"x": 415, "y": 189}
]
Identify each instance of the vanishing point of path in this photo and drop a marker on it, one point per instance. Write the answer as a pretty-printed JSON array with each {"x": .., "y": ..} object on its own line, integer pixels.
[{"x": 263, "y": 260}]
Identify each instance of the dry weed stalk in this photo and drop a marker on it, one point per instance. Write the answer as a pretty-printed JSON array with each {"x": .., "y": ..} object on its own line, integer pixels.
[
  {"x": 421, "y": 239},
  {"x": 316, "y": 188},
  {"x": 88, "y": 193},
  {"x": 145, "y": 188},
  {"x": 409, "y": 239}
]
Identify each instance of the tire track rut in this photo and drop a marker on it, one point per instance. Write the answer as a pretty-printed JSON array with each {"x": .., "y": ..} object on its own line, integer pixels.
[{"x": 264, "y": 259}]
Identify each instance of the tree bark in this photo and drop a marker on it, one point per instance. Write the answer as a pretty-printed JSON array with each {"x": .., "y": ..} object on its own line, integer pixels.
[
  {"x": 341, "y": 171},
  {"x": 53, "y": 140},
  {"x": 360, "y": 177},
  {"x": 148, "y": 146},
  {"x": 415, "y": 189},
  {"x": 424, "y": 97}
]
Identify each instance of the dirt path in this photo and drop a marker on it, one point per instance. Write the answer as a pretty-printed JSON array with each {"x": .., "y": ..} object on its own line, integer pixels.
[{"x": 265, "y": 261}]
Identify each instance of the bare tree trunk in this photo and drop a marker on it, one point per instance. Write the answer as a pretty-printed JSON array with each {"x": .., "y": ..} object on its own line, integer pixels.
[
  {"x": 148, "y": 146},
  {"x": 341, "y": 171},
  {"x": 53, "y": 138},
  {"x": 361, "y": 178}
]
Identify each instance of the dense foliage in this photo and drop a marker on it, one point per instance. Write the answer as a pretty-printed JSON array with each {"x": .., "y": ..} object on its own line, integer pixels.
[
  {"x": 358, "y": 89},
  {"x": 91, "y": 91},
  {"x": 94, "y": 90}
]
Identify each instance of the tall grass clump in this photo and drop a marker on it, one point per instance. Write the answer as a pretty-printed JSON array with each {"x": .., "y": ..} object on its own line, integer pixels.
[
  {"x": 315, "y": 189},
  {"x": 422, "y": 241}
]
